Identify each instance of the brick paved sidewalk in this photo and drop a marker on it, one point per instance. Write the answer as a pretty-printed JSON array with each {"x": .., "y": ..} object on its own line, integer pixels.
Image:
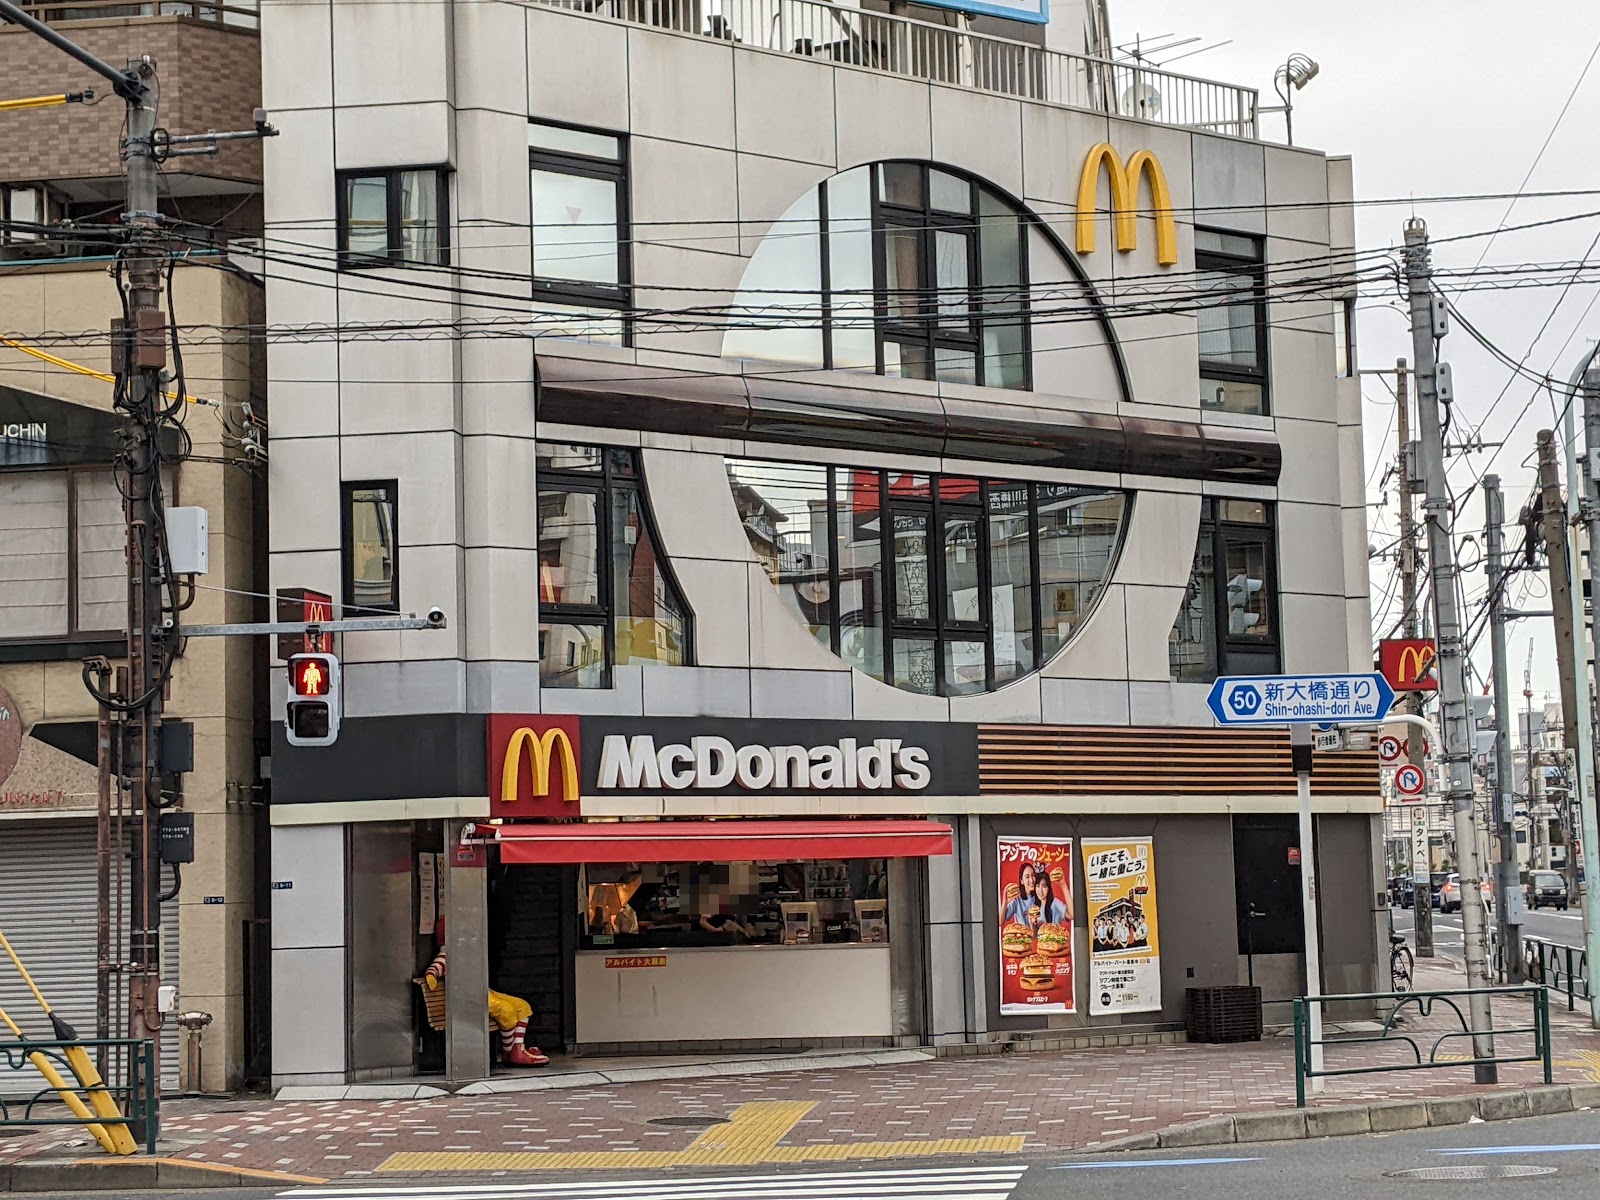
[{"x": 1020, "y": 1102}]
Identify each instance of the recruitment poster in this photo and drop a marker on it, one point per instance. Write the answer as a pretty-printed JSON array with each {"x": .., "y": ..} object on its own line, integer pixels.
[
  {"x": 1119, "y": 876},
  {"x": 1035, "y": 925}
]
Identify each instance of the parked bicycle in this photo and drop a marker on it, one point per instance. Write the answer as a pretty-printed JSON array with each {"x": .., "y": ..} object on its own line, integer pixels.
[{"x": 1400, "y": 964}]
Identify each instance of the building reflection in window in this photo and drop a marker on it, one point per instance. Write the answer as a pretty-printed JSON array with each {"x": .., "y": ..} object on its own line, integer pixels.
[
  {"x": 986, "y": 579},
  {"x": 605, "y": 595}
]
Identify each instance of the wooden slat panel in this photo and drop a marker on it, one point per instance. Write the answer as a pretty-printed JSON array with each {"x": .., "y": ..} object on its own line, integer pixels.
[{"x": 1113, "y": 760}]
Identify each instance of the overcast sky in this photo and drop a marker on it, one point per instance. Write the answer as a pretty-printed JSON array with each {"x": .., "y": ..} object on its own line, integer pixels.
[{"x": 1438, "y": 98}]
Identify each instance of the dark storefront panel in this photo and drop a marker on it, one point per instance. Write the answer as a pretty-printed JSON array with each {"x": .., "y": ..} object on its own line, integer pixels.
[
  {"x": 533, "y": 921},
  {"x": 1194, "y": 893},
  {"x": 1210, "y": 871}
]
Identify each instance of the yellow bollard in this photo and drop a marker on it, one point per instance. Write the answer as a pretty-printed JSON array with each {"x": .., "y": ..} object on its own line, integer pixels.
[{"x": 118, "y": 1138}]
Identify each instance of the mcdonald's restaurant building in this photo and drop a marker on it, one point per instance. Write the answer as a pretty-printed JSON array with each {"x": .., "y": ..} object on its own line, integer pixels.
[{"x": 844, "y": 480}]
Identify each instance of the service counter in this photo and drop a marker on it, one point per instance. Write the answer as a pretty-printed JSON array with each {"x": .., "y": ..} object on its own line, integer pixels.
[{"x": 726, "y": 993}]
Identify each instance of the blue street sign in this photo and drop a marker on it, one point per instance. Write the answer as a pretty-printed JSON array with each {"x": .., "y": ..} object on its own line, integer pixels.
[{"x": 1300, "y": 699}]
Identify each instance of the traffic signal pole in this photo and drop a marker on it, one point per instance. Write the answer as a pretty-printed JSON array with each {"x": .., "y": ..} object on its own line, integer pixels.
[{"x": 1427, "y": 326}]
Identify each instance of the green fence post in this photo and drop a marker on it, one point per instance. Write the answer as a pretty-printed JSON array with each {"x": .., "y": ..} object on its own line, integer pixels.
[
  {"x": 1542, "y": 1011},
  {"x": 1570, "y": 980},
  {"x": 1299, "y": 1053},
  {"x": 152, "y": 1100}
]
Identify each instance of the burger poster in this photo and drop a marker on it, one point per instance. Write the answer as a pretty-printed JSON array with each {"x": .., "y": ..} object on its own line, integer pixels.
[
  {"x": 1035, "y": 925},
  {"x": 1119, "y": 876}
]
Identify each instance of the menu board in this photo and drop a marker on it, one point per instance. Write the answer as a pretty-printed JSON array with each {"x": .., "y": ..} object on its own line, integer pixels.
[{"x": 1035, "y": 925}]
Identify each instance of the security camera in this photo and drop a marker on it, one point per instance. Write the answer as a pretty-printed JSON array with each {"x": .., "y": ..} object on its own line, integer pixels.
[{"x": 435, "y": 618}]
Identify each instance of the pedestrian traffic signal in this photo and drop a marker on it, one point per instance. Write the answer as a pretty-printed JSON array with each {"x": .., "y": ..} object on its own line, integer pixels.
[
  {"x": 311, "y": 717},
  {"x": 1242, "y": 590}
]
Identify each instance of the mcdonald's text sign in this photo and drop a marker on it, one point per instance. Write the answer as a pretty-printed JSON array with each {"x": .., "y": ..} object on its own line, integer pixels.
[
  {"x": 1407, "y": 663},
  {"x": 1125, "y": 180},
  {"x": 534, "y": 765}
]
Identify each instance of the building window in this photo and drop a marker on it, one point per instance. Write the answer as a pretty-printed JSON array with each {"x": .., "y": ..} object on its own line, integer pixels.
[
  {"x": 371, "y": 541},
  {"x": 606, "y": 596},
  {"x": 582, "y": 272},
  {"x": 936, "y": 584},
  {"x": 388, "y": 218},
  {"x": 901, "y": 268},
  {"x": 1228, "y": 624},
  {"x": 1344, "y": 337},
  {"x": 63, "y": 566},
  {"x": 1233, "y": 326}
]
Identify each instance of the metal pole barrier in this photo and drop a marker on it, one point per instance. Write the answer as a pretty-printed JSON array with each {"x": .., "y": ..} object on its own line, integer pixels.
[
  {"x": 1542, "y": 1010},
  {"x": 1300, "y": 748},
  {"x": 1299, "y": 1053}
]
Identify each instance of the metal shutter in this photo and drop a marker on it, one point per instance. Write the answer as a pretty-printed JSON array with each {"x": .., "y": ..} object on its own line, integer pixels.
[{"x": 47, "y": 912}]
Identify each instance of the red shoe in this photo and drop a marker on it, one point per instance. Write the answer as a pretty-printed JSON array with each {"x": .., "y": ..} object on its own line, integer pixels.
[{"x": 523, "y": 1056}]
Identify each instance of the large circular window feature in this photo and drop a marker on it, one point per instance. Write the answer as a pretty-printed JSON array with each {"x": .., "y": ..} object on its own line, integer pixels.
[{"x": 939, "y": 584}]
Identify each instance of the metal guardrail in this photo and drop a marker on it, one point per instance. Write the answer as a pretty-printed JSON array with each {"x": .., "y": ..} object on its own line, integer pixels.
[
  {"x": 897, "y": 45},
  {"x": 1424, "y": 1004},
  {"x": 140, "y": 1105},
  {"x": 1557, "y": 966},
  {"x": 234, "y": 16}
]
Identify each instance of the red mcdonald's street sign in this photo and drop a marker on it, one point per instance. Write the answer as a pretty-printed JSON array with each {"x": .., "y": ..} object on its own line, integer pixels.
[
  {"x": 303, "y": 604},
  {"x": 1407, "y": 663}
]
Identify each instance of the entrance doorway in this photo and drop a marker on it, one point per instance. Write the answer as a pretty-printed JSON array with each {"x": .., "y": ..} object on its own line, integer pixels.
[{"x": 1267, "y": 894}]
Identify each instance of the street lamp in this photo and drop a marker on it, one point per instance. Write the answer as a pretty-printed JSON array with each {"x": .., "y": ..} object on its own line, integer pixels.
[{"x": 1298, "y": 71}]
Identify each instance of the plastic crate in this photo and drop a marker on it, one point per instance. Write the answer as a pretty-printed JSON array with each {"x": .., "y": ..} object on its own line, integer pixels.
[{"x": 1223, "y": 1014}]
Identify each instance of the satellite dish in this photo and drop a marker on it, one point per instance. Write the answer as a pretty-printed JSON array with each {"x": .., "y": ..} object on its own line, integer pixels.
[{"x": 1142, "y": 100}]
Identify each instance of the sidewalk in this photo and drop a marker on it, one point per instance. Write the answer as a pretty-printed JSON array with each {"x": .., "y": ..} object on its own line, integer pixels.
[{"x": 1014, "y": 1103}]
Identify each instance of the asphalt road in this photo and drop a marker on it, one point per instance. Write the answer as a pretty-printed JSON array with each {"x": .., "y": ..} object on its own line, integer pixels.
[
  {"x": 1548, "y": 924},
  {"x": 1543, "y": 1158}
]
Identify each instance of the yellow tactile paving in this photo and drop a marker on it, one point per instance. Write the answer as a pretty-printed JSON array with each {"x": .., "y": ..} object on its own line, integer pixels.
[{"x": 751, "y": 1136}]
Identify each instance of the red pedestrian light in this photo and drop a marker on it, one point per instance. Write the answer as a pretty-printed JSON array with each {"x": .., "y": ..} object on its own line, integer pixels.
[
  {"x": 311, "y": 716},
  {"x": 311, "y": 675}
]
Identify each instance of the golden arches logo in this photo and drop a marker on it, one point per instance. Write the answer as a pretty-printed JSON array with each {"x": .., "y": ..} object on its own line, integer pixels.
[
  {"x": 1419, "y": 658},
  {"x": 542, "y": 749},
  {"x": 1125, "y": 182}
]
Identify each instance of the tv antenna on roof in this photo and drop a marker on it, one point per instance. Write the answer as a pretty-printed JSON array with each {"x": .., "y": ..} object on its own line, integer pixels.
[{"x": 1142, "y": 53}]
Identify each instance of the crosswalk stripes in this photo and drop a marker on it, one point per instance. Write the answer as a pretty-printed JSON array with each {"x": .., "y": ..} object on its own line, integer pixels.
[{"x": 943, "y": 1183}]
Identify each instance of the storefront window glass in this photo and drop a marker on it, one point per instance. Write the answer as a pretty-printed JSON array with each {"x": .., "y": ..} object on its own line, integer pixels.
[
  {"x": 605, "y": 594},
  {"x": 665, "y": 905},
  {"x": 989, "y": 577}
]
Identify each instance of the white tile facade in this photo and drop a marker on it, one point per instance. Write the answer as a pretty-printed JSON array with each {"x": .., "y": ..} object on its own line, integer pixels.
[{"x": 723, "y": 138}]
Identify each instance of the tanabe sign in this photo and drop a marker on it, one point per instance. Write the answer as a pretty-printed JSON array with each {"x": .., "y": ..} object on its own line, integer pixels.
[
  {"x": 1124, "y": 181},
  {"x": 884, "y": 764}
]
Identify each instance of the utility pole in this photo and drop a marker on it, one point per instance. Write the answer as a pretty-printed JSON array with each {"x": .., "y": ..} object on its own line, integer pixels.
[
  {"x": 1553, "y": 525},
  {"x": 1508, "y": 882},
  {"x": 1427, "y": 325},
  {"x": 1590, "y": 511},
  {"x": 139, "y": 361},
  {"x": 1411, "y": 702}
]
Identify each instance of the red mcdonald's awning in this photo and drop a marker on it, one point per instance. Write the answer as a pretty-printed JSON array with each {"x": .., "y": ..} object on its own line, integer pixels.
[{"x": 720, "y": 841}]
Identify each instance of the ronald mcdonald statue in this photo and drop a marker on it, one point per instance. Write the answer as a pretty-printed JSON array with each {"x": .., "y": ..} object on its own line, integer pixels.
[{"x": 509, "y": 1014}]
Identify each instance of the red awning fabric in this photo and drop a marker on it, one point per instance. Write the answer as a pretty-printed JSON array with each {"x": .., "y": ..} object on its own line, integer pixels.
[{"x": 719, "y": 841}]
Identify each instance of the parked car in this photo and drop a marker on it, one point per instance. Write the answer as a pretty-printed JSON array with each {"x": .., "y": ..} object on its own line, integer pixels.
[
  {"x": 1436, "y": 883},
  {"x": 1546, "y": 888},
  {"x": 1402, "y": 891}
]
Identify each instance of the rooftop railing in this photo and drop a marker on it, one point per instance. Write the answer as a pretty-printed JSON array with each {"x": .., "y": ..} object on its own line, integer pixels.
[
  {"x": 240, "y": 15},
  {"x": 943, "y": 54}
]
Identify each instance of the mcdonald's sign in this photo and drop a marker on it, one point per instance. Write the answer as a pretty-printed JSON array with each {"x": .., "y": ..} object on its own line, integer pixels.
[
  {"x": 1125, "y": 180},
  {"x": 533, "y": 766},
  {"x": 1407, "y": 663}
]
